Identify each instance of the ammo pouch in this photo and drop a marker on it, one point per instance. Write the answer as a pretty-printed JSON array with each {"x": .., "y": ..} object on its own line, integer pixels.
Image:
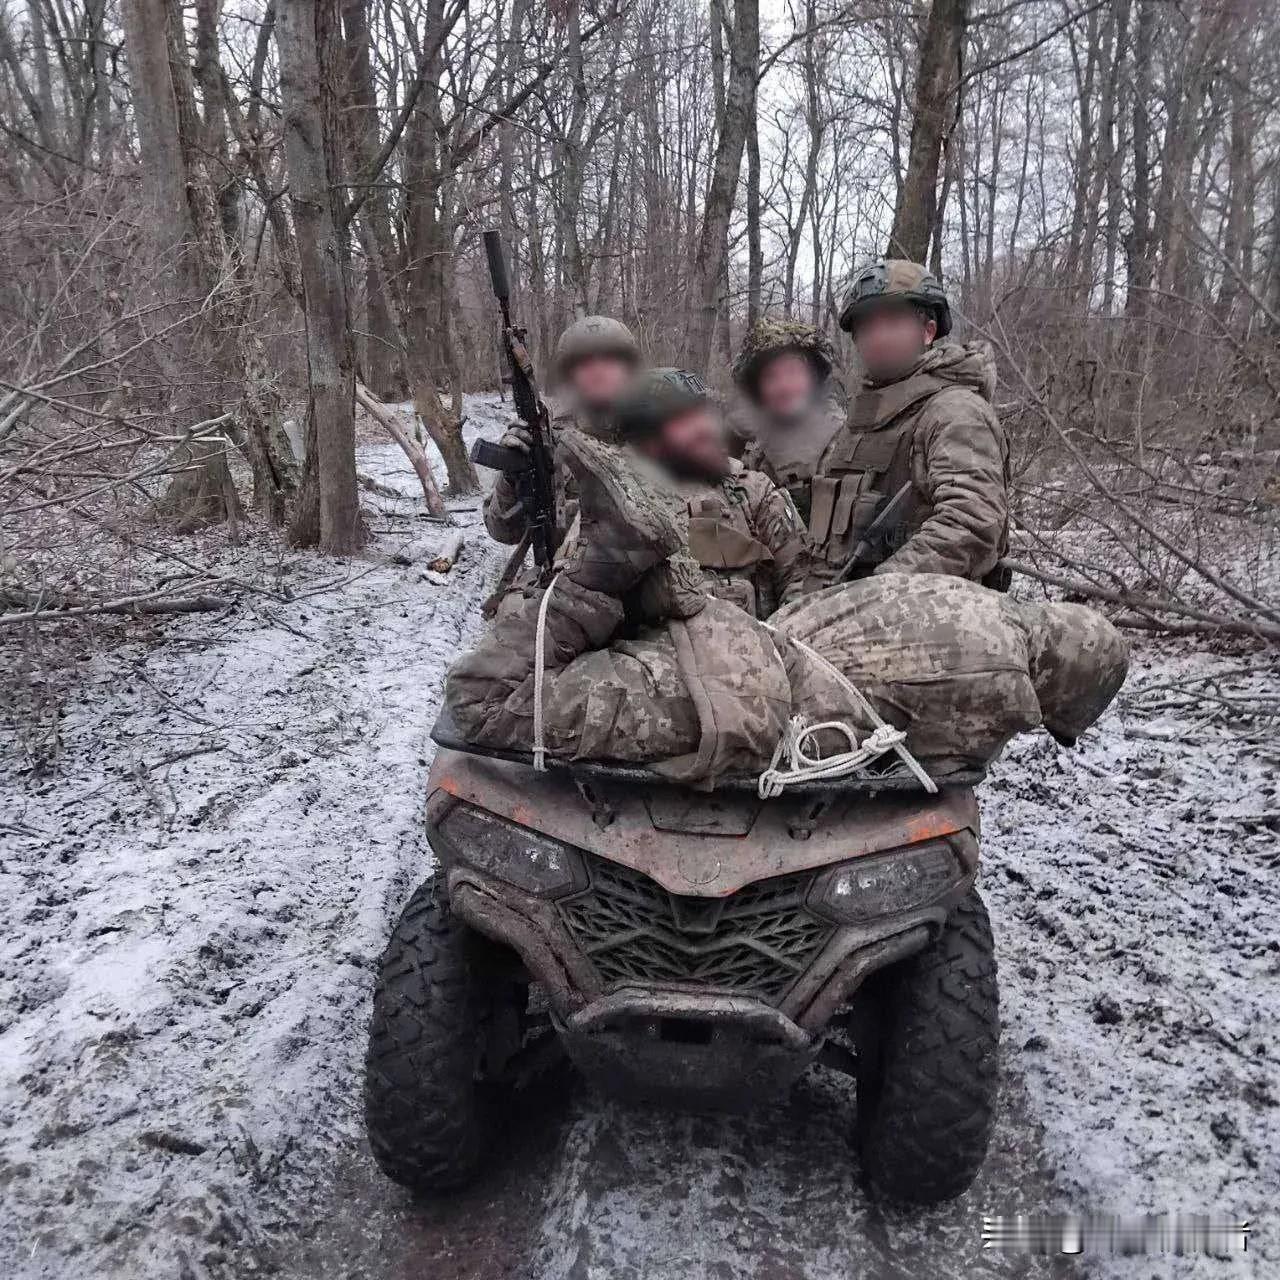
[
  {"x": 729, "y": 558},
  {"x": 843, "y": 506}
]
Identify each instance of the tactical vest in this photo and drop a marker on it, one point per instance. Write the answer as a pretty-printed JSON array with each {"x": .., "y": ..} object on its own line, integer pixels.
[
  {"x": 722, "y": 540},
  {"x": 863, "y": 468}
]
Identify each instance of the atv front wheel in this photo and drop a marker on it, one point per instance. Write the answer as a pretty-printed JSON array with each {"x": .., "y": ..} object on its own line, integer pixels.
[
  {"x": 431, "y": 1098},
  {"x": 928, "y": 1033}
]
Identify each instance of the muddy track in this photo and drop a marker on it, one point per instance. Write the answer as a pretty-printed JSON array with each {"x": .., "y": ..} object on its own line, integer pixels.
[
  {"x": 199, "y": 886},
  {"x": 590, "y": 1189}
]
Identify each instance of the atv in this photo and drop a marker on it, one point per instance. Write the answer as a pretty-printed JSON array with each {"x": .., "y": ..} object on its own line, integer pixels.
[{"x": 688, "y": 948}]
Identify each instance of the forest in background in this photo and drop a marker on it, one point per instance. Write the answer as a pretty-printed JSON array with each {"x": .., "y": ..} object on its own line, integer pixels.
[{"x": 230, "y": 232}]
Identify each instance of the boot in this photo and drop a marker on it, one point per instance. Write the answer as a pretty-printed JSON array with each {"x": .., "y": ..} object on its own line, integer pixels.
[{"x": 630, "y": 518}]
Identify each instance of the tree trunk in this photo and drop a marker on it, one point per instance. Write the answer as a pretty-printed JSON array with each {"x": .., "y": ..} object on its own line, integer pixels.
[
  {"x": 935, "y": 107},
  {"x": 739, "y": 96},
  {"x": 329, "y": 507},
  {"x": 381, "y": 354},
  {"x": 427, "y": 241},
  {"x": 200, "y": 492},
  {"x": 1138, "y": 242},
  {"x": 755, "y": 248}
]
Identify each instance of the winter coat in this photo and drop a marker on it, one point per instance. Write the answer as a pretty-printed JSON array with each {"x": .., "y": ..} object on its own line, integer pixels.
[
  {"x": 746, "y": 537},
  {"x": 936, "y": 431}
]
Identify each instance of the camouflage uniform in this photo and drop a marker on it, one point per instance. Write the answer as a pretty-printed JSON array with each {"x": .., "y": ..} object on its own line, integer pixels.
[
  {"x": 935, "y": 429},
  {"x": 708, "y": 690},
  {"x": 504, "y": 521},
  {"x": 787, "y": 452},
  {"x": 746, "y": 538},
  {"x": 960, "y": 668},
  {"x": 744, "y": 532},
  {"x": 591, "y": 335},
  {"x": 630, "y": 700}
]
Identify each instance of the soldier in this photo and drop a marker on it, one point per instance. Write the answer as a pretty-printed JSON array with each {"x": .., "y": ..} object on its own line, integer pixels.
[
  {"x": 744, "y": 531},
  {"x": 794, "y": 403},
  {"x": 922, "y": 447},
  {"x": 595, "y": 358}
]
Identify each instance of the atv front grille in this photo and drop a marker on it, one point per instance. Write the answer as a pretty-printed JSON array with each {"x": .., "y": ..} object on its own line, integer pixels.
[{"x": 756, "y": 942}]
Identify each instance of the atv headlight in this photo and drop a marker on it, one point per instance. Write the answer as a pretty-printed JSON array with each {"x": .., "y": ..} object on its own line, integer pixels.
[
  {"x": 887, "y": 884},
  {"x": 524, "y": 858}
]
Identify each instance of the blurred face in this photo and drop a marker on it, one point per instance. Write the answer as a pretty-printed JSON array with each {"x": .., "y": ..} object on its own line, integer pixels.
[
  {"x": 786, "y": 386},
  {"x": 691, "y": 444},
  {"x": 891, "y": 339},
  {"x": 597, "y": 381}
]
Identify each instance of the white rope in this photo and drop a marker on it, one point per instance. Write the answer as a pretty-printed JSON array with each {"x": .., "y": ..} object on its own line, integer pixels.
[
  {"x": 802, "y": 767},
  {"x": 539, "y": 658}
]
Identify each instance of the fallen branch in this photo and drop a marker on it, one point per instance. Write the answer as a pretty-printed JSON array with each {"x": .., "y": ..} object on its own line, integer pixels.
[
  {"x": 413, "y": 451},
  {"x": 448, "y": 555},
  {"x": 132, "y": 606},
  {"x": 1203, "y": 620},
  {"x": 376, "y": 486},
  {"x": 1134, "y": 517}
]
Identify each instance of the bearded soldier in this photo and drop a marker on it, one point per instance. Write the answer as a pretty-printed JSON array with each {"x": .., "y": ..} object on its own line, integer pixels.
[
  {"x": 785, "y": 373},
  {"x": 917, "y": 481},
  {"x": 744, "y": 532},
  {"x": 595, "y": 358}
]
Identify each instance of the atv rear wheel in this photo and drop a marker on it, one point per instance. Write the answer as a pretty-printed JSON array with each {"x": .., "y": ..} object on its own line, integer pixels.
[
  {"x": 432, "y": 1092},
  {"x": 928, "y": 1033}
]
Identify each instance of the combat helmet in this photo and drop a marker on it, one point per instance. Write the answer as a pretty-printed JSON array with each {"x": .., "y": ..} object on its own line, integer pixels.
[
  {"x": 654, "y": 397},
  {"x": 895, "y": 280},
  {"x": 769, "y": 338},
  {"x": 594, "y": 336}
]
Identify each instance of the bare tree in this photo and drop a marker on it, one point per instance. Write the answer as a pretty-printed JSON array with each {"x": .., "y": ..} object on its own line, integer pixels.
[
  {"x": 307, "y": 36},
  {"x": 937, "y": 83},
  {"x": 743, "y": 47}
]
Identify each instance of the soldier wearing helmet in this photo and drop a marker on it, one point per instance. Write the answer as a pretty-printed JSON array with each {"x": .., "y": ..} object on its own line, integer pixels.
[
  {"x": 792, "y": 402},
  {"x": 595, "y": 358},
  {"x": 921, "y": 431},
  {"x": 744, "y": 532}
]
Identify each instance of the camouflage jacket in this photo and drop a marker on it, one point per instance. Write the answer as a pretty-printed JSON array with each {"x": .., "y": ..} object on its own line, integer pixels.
[
  {"x": 789, "y": 453},
  {"x": 936, "y": 431},
  {"x": 747, "y": 538},
  {"x": 507, "y": 525}
]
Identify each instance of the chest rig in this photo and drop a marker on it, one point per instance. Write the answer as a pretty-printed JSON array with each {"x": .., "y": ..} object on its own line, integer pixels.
[
  {"x": 863, "y": 468},
  {"x": 722, "y": 540}
]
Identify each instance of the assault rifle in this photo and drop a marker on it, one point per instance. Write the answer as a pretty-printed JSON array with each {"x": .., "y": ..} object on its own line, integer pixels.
[
  {"x": 885, "y": 519},
  {"x": 532, "y": 473}
]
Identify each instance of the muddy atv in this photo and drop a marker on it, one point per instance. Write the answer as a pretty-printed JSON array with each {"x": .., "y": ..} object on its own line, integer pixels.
[{"x": 692, "y": 949}]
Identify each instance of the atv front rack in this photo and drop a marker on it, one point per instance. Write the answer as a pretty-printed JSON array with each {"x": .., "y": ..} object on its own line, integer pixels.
[{"x": 888, "y": 774}]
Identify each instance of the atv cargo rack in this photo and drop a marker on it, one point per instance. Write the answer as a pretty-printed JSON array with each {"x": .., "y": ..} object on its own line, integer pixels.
[{"x": 887, "y": 774}]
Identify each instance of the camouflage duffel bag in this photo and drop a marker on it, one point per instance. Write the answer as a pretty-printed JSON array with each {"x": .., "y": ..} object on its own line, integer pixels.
[
  {"x": 960, "y": 668},
  {"x": 694, "y": 698}
]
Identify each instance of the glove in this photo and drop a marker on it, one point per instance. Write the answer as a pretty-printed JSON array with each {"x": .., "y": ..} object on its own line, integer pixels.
[
  {"x": 672, "y": 589},
  {"x": 518, "y": 437}
]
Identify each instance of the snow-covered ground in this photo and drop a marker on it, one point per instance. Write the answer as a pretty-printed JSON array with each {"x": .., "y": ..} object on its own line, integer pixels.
[{"x": 199, "y": 878}]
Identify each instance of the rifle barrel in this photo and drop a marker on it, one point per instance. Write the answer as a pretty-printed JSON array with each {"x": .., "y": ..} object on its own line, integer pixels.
[{"x": 497, "y": 265}]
